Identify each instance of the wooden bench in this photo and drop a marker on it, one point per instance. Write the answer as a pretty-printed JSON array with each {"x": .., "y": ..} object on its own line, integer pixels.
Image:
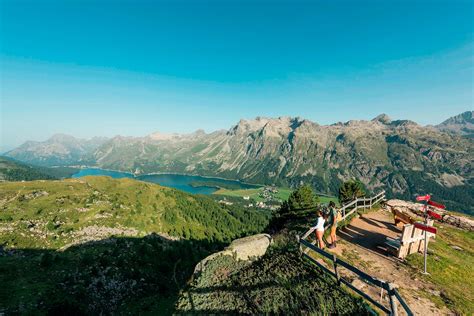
[
  {"x": 401, "y": 217},
  {"x": 411, "y": 241}
]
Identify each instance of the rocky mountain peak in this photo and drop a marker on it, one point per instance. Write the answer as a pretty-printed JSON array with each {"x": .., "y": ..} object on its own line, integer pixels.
[
  {"x": 462, "y": 124},
  {"x": 62, "y": 138},
  {"x": 269, "y": 126},
  {"x": 162, "y": 136},
  {"x": 382, "y": 118}
]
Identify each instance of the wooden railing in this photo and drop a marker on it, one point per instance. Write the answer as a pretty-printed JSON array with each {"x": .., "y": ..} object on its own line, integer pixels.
[{"x": 347, "y": 210}]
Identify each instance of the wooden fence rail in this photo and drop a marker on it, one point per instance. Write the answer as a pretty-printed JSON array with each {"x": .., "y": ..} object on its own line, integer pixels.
[{"x": 392, "y": 292}]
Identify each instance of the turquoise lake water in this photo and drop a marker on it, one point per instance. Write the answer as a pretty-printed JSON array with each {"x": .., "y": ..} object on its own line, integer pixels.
[{"x": 177, "y": 181}]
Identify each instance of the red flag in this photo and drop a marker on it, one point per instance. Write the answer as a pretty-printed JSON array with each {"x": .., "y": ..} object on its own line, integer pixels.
[
  {"x": 436, "y": 204},
  {"x": 427, "y": 228},
  {"x": 434, "y": 214},
  {"x": 423, "y": 197}
]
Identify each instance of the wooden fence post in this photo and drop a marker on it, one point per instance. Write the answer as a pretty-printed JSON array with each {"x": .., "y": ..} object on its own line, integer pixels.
[
  {"x": 338, "y": 278},
  {"x": 299, "y": 244},
  {"x": 393, "y": 300}
]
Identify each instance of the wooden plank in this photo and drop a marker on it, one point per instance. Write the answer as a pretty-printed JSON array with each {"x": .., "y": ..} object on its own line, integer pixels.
[
  {"x": 415, "y": 246},
  {"x": 406, "y": 233},
  {"x": 383, "y": 308},
  {"x": 380, "y": 306},
  {"x": 394, "y": 243},
  {"x": 403, "y": 252},
  {"x": 351, "y": 203},
  {"x": 316, "y": 249},
  {"x": 417, "y": 238},
  {"x": 346, "y": 265},
  {"x": 308, "y": 232},
  {"x": 361, "y": 274},
  {"x": 403, "y": 303}
]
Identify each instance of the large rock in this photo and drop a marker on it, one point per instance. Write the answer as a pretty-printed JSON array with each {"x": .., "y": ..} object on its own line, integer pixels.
[
  {"x": 415, "y": 211},
  {"x": 250, "y": 247},
  {"x": 247, "y": 248}
]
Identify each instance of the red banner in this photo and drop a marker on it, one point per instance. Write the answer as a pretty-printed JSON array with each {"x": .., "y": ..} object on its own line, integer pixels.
[
  {"x": 436, "y": 204},
  {"x": 434, "y": 214},
  {"x": 427, "y": 228},
  {"x": 423, "y": 197}
]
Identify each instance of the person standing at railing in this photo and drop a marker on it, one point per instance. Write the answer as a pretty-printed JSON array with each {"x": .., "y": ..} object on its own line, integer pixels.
[
  {"x": 332, "y": 221},
  {"x": 320, "y": 228}
]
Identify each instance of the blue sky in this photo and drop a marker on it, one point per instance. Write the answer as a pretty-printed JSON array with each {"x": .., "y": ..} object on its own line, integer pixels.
[{"x": 104, "y": 68}]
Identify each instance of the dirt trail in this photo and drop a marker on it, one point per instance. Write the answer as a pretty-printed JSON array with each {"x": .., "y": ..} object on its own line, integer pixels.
[{"x": 362, "y": 243}]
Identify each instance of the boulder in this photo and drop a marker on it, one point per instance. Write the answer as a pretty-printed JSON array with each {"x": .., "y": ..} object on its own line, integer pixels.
[
  {"x": 250, "y": 247},
  {"x": 247, "y": 248}
]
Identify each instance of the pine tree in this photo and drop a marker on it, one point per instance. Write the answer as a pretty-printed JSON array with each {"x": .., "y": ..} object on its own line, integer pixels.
[
  {"x": 300, "y": 201},
  {"x": 351, "y": 190}
]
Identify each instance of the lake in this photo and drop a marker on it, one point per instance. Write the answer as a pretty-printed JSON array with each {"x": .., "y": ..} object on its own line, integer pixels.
[{"x": 177, "y": 181}]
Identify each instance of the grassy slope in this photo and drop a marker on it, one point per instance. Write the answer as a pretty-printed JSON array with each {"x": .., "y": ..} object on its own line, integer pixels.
[
  {"x": 12, "y": 170},
  {"x": 62, "y": 208},
  {"x": 123, "y": 273},
  {"x": 450, "y": 269}
]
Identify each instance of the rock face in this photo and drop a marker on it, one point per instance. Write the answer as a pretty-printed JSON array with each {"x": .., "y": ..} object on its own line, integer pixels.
[
  {"x": 414, "y": 210},
  {"x": 59, "y": 150},
  {"x": 462, "y": 124},
  {"x": 246, "y": 248}
]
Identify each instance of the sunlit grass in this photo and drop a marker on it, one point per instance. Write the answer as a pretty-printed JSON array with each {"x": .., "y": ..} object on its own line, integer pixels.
[{"x": 450, "y": 269}]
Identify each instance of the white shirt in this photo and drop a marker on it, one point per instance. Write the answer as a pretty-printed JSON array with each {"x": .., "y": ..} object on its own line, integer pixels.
[{"x": 320, "y": 224}]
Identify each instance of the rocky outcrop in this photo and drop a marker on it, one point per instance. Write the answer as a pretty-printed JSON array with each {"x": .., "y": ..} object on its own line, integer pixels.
[
  {"x": 247, "y": 248},
  {"x": 415, "y": 211}
]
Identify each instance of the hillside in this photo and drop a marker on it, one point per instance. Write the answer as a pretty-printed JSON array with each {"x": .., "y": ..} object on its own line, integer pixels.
[
  {"x": 401, "y": 157},
  {"x": 59, "y": 150},
  {"x": 462, "y": 124},
  {"x": 11, "y": 170},
  {"x": 95, "y": 245}
]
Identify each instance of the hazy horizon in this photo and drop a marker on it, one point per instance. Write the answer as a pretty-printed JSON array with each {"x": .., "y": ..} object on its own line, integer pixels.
[{"x": 133, "y": 69}]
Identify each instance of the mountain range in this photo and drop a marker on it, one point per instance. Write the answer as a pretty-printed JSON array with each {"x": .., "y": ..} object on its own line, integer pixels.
[{"x": 400, "y": 156}]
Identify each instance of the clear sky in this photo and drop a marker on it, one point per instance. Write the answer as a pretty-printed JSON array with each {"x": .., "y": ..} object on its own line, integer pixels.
[{"x": 104, "y": 68}]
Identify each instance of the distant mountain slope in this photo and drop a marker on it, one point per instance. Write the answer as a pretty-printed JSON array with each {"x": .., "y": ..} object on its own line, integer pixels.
[
  {"x": 462, "y": 124},
  {"x": 401, "y": 156},
  {"x": 59, "y": 150},
  {"x": 126, "y": 246},
  {"x": 11, "y": 170}
]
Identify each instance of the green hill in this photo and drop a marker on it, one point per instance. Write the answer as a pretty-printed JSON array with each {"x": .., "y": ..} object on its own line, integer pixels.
[
  {"x": 99, "y": 245},
  {"x": 13, "y": 170}
]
